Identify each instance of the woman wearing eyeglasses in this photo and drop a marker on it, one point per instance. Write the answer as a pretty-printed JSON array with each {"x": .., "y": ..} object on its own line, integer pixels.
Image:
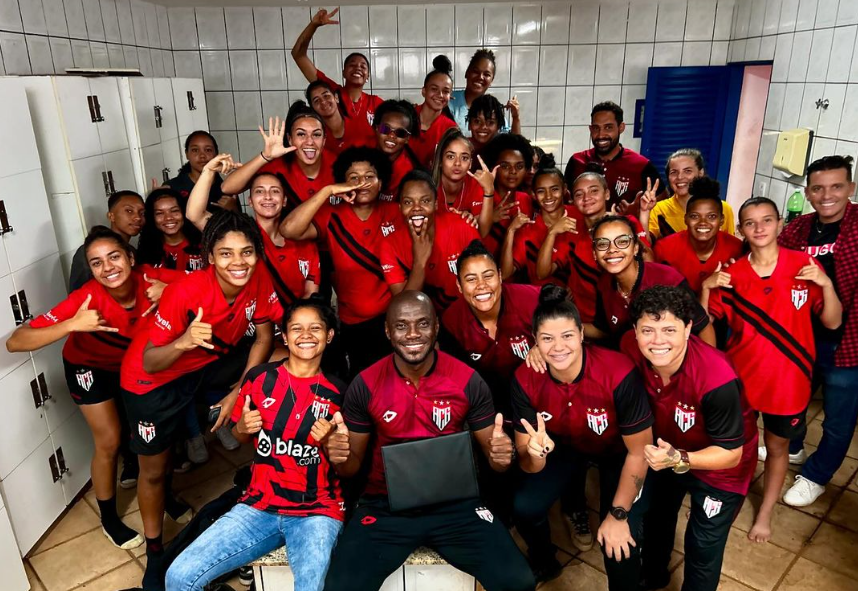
[
  {"x": 395, "y": 124},
  {"x": 434, "y": 116}
]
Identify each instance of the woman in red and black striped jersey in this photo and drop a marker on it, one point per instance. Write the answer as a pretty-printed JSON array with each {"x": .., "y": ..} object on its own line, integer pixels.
[
  {"x": 99, "y": 320},
  {"x": 351, "y": 222},
  {"x": 768, "y": 299},
  {"x": 294, "y": 496},
  {"x": 395, "y": 123},
  {"x": 166, "y": 240},
  {"x": 341, "y": 129}
]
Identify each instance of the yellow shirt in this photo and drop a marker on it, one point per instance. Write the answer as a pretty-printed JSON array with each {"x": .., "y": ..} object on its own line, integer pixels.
[{"x": 669, "y": 213}]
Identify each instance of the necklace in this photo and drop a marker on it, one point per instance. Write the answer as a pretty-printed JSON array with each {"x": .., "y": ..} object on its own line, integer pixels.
[
  {"x": 458, "y": 203},
  {"x": 818, "y": 226},
  {"x": 355, "y": 107},
  {"x": 292, "y": 390}
]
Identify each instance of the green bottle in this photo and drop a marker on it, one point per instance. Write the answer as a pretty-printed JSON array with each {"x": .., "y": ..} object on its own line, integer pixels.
[{"x": 795, "y": 204}]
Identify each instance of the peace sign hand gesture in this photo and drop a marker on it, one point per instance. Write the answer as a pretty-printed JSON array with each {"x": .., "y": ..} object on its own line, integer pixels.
[
  {"x": 648, "y": 198},
  {"x": 323, "y": 17},
  {"x": 540, "y": 444},
  {"x": 274, "y": 147},
  {"x": 485, "y": 177},
  {"x": 503, "y": 209}
]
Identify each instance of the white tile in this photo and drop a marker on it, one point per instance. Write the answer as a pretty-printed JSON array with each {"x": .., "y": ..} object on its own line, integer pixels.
[
  {"x": 39, "y": 50},
  {"x": 461, "y": 59},
  {"x": 99, "y": 55},
  {"x": 269, "y": 27},
  {"x": 412, "y": 95},
  {"x": 211, "y": 27},
  {"x": 158, "y": 63},
  {"x": 81, "y": 52},
  {"x": 138, "y": 16},
  {"x": 829, "y": 119},
  {"x": 847, "y": 13},
  {"x": 248, "y": 110},
  {"x": 581, "y": 65},
  {"x": 613, "y": 21},
  {"x": 110, "y": 19},
  {"x": 783, "y": 49},
  {"x": 240, "y": 32},
  {"x": 752, "y": 48},
  {"x": 667, "y": 54},
  {"x": 130, "y": 54},
  {"x": 550, "y": 105},
  {"x": 272, "y": 69},
  {"x": 774, "y": 106},
  {"x": 822, "y": 147},
  {"x": 13, "y": 48},
  {"x": 758, "y": 15},
  {"x": 355, "y": 26},
  {"x": 606, "y": 93},
  {"x": 642, "y": 19},
  {"x": 768, "y": 45},
  {"x": 469, "y": 24},
  {"x": 297, "y": 95},
  {"x": 808, "y": 116},
  {"x": 75, "y": 19},
  {"x": 528, "y": 102},
  {"x": 806, "y": 16},
  {"x": 778, "y": 191},
  {"x": 584, "y": 23},
  {"x": 273, "y": 104},
  {"x": 126, "y": 22},
  {"x": 295, "y": 79},
  {"x": 789, "y": 14},
  {"x": 295, "y": 18},
  {"x": 609, "y": 64},
  {"x": 412, "y": 66},
  {"x": 841, "y": 54},
  {"x": 144, "y": 58},
  {"x": 61, "y": 55},
  {"x": 771, "y": 22},
  {"x": 719, "y": 53},
  {"x": 724, "y": 19},
  {"x": 216, "y": 75},
  {"x": 382, "y": 26},
  {"x": 555, "y": 24},
  {"x": 152, "y": 30},
  {"x": 440, "y": 21},
  {"x": 552, "y": 61},
  {"x": 55, "y": 17},
  {"x": 249, "y": 144},
  {"x": 700, "y": 21},
  {"x": 575, "y": 139},
  {"x": 115, "y": 55},
  {"x": 10, "y": 16},
  {"x": 671, "y": 20},
  {"x": 826, "y": 13},
  {"x": 33, "y": 17},
  {"x": 412, "y": 26},
  {"x": 742, "y": 19},
  {"x": 227, "y": 142},
  {"x": 244, "y": 69},
  {"x": 768, "y": 145},
  {"x": 330, "y": 61},
  {"x": 638, "y": 62},
  {"x": 385, "y": 68},
  {"x": 800, "y": 56},
  {"x": 183, "y": 28},
  {"x": 163, "y": 27},
  {"x": 327, "y": 37},
  {"x": 497, "y": 23},
  {"x": 169, "y": 66},
  {"x": 549, "y": 138},
  {"x": 792, "y": 105},
  {"x": 628, "y": 99},
  {"x": 847, "y": 149},
  {"x": 696, "y": 53},
  {"x": 525, "y": 66},
  {"x": 188, "y": 64},
  {"x": 820, "y": 52},
  {"x": 503, "y": 66},
  {"x": 579, "y": 101}
]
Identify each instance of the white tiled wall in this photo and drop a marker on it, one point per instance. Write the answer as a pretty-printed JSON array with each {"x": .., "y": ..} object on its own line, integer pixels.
[
  {"x": 815, "y": 57},
  {"x": 557, "y": 58},
  {"x": 48, "y": 36}
]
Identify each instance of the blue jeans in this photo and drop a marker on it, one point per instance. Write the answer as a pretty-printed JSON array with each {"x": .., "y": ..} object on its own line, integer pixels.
[
  {"x": 840, "y": 403},
  {"x": 244, "y": 534}
]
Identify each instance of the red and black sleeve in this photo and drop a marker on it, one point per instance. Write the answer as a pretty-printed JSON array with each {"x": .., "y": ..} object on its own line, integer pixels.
[
  {"x": 481, "y": 412},
  {"x": 356, "y": 407},
  {"x": 630, "y": 399},
  {"x": 521, "y": 407},
  {"x": 722, "y": 414}
]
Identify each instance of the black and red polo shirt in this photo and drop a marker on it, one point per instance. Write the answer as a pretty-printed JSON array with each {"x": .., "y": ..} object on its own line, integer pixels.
[
  {"x": 702, "y": 405},
  {"x": 626, "y": 173},
  {"x": 528, "y": 240},
  {"x": 677, "y": 251},
  {"x": 606, "y": 401},
  {"x": 290, "y": 475},
  {"x": 404, "y": 163},
  {"x": 183, "y": 256},
  {"x": 383, "y": 401},
  {"x": 771, "y": 343},
  {"x": 257, "y": 303},
  {"x": 355, "y": 133}
]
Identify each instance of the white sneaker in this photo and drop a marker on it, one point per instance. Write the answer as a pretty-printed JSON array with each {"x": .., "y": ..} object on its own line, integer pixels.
[
  {"x": 796, "y": 459},
  {"x": 803, "y": 493}
]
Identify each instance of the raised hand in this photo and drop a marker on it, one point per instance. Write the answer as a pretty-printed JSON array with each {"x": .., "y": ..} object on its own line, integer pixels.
[
  {"x": 323, "y": 17},
  {"x": 421, "y": 243},
  {"x": 337, "y": 444},
  {"x": 518, "y": 221},
  {"x": 564, "y": 224},
  {"x": 347, "y": 191},
  {"x": 719, "y": 278},
  {"x": 814, "y": 273},
  {"x": 196, "y": 335},
  {"x": 321, "y": 429},
  {"x": 86, "y": 320},
  {"x": 500, "y": 445},
  {"x": 222, "y": 163},
  {"x": 513, "y": 106},
  {"x": 155, "y": 289},
  {"x": 540, "y": 444},
  {"x": 661, "y": 456},
  {"x": 226, "y": 403},
  {"x": 250, "y": 421},
  {"x": 273, "y": 140},
  {"x": 485, "y": 177},
  {"x": 648, "y": 198},
  {"x": 504, "y": 208}
]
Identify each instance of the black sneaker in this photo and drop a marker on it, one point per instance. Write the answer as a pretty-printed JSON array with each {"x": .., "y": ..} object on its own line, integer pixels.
[
  {"x": 245, "y": 575},
  {"x": 128, "y": 476},
  {"x": 579, "y": 530},
  {"x": 178, "y": 511},
  {"x": 546, "y": 569}
]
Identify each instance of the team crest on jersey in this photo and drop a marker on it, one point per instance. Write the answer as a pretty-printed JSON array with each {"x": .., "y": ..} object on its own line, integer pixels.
[
  {"x": 249, "y": 310},
  {"x": 597, "y": 420},
  {"x": 387, "y": 229},
  {"x": 684, "y": 415},
  {"x": 520, "y": 346},
  {"x": 320, "y": 408},
  {"x": 451, "y": 263},
  {"x": 146, "y": 431},
  {"x": 799, "y": 297},
  {"x": 195, "y": 263},
  {"x": 712, "y": 507},
  {"x": 304, "y": 267},
  {"x": 485, "y": 514},
  {"x": 621, "y": 186},
  {"x": 441, "y": 413},
  {"x": 85, "y": 379}
]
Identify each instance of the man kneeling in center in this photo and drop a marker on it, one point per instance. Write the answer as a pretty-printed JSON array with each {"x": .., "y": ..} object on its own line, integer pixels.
[{"x": 419, "y": 393}]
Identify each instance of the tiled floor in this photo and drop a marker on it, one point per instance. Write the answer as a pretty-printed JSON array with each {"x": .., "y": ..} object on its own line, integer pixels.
[{"x": 815, "y": 548}]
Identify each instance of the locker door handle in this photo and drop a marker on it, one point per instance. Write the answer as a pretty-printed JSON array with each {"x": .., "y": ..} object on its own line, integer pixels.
[
  {"x": 90, "y": 101},
  {"x": 191, "y": 105},
  {"x": 4, "y": 219},
  {"x": 25, "y": 307},
  {"x": 165, "y": 173},
  {"x": 110, "y": 183},
  {"x": 16, "y": 309},
  {"x": 37, "y": 395},
  {"x": 159, "y": 121},
  {"x": 97, "y": 105},
  {"x": 61, "y": 461},
  {"x": 106, "y": 181},
  {"x": 55, "y": 468},
  {"x": 43, "y": 386}
]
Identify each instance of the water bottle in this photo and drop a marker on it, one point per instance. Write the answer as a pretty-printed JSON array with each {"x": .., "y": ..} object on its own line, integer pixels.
[{"x": 795, "y": 204}]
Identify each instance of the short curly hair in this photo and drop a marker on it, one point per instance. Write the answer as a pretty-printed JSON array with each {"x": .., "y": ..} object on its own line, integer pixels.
[
  {"x": 375, "y": 157},
  {"x": 659, "y": 300}
]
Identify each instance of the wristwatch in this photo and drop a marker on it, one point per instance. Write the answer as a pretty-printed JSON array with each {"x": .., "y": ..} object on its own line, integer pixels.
[
  {"x": 619, "y": 513},
  {"x": 684, "y": 464}
]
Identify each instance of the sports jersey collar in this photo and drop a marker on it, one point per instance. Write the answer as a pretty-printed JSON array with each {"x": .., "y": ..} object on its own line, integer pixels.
[
  {"x": 638, "y": 281},
  {"x": 580, "y": 375},
  {"x": 426, "y": 375}
]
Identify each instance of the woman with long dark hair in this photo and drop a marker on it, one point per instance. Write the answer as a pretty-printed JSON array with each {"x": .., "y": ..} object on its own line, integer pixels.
[
  {"x": 434, "y": 115},
  {"x": 166, "y": 240},
  {"x": 341, "y": 130}
]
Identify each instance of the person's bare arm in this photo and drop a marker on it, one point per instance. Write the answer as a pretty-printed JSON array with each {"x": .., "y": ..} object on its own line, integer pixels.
[
  {"x": 302, "y": 43},
  {"x": 195, "y": 210},
  {"x": 273, "y": 147}
]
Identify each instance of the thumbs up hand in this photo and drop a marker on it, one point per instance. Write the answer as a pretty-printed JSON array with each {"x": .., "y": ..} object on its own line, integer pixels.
[
  {"x": 196, "y": 335},
  {"x": 337, "y": 444},
  {"x": 251, "y": 420},
  {"x": 155, "y": 289},
  {"x": 500, "y": 446},
  {"x": 661, "y": 456},
  {"x": 813, "y": 272},
  {"x": 86, "y": 320},
  {"x": 540, "y": 444},
  {"x": 719, "y": 278}
]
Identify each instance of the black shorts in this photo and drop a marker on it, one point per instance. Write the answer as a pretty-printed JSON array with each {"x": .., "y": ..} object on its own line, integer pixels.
[
  {"x": 786, "y": 426},
  {"x": 157, "y": 418},
  {"x": 90, "y": 385}
]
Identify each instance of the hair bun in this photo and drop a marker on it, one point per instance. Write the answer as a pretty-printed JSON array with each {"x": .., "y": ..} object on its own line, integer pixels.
[
  {"x": 552, "y": 294},
  {"x": 547, "y": 161},
  {"x": 442, "y": 63}
]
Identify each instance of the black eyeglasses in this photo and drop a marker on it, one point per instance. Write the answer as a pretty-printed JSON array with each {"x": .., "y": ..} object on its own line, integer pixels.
[
  {"x": 399, "y": 132},
  {"x": 622, "y": 242}
]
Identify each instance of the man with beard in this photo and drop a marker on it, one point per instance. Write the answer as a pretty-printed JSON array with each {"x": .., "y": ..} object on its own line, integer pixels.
[
  {"x": 625, "y": 170},
  {"x": 394, "y": 400}
]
